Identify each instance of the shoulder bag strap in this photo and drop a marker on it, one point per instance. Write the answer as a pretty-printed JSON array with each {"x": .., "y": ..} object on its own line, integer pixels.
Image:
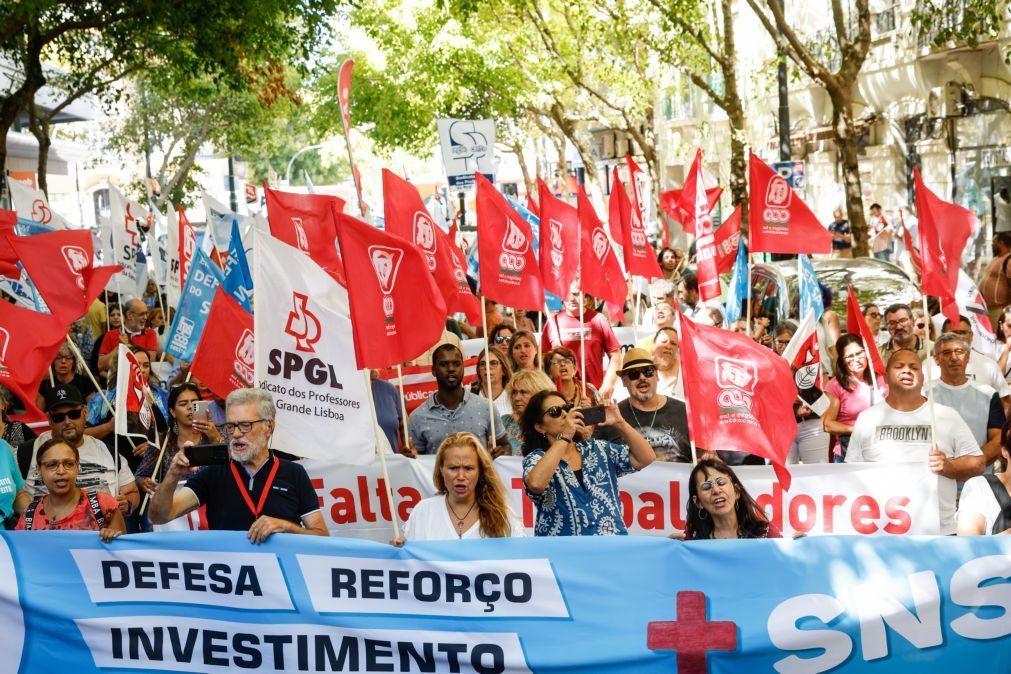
[{"x": 96, "y": 509}]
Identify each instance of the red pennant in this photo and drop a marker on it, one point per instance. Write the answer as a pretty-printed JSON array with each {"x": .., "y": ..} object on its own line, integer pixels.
[
  {"x": 407, "y": 217},
  {"x": 559, "y": 254},
  {"x": 29, "y": 341},
  {"x": 640, "y": 258},
  {"x": 307, "y": 222},
  {"x": 59, "y": 264},
  {"x": 943, "y": 228},
  {"x": 779, "y": 222},
  {"x": 508, "y": 266},
  {"x": 694, "y": 192},
  {"x": 599, "y": 271},
  {"x": 728, "y": 238},
  {"x": 224, "y": 358},
  {"x": 670, "y": 203},
  {"x": 740, "y": 394},
  {"x": 856, "y": 324},
  {"x": 397, "y": 311}
]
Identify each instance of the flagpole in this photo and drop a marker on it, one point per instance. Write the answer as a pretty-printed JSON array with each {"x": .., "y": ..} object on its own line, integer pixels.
[
  {"x": 487, "y": 373},
  {"x": 747, "y": 257},
  {"x": 403, "y": 405},
  {"x": 101, "y": 391},
  {"x": 161, "y": 456},
  {"x": 582, "y": 343},
  {"x": 930, "y": 378},
  {"x": 635, "y": 311},
  {"x": 382, "y": 455}
]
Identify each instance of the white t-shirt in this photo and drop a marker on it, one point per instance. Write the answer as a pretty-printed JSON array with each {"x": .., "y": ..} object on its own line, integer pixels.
[
  {"x": 429, "y": 521},
  {"x": 97, "y": 472},
  {"x": 977, "y": 497},
  {"x": 884, "y": 434},
  {"x": 502, "y": 404},
  {"x": 981, "y": 371}
]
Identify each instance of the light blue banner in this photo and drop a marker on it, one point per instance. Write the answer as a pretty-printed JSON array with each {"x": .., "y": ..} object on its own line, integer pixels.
[
  {"x": 194, "y": 306},
  {"x": 238, "y": 281},
  {"x": 809, "y": 291},
  {"x": 213, "y": 602},
  {"x": 738, "y": 290}
]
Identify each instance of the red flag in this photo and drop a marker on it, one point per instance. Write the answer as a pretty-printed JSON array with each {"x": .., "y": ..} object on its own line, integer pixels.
[
  {"x": 599, "y": 271},
  {"x": 387, "y": 272},
  {"x": 694, "y": 192},
  {"x": 779, "y": 222},
  {"x": 856, "y": 324},
  {"x": 907, "y": 239},
  {"x": 57, "y": 263},
  {"x": 670, "y": 203},
  {"x": 728, "y": 238},
  {"x": 407, "y": 217},
  {"x": 29, "y": 341},
  {"x": 640, "y": 258},
  {"x": 944, "y": 228},
  {"x": 532, "y": 205},
  {"x": 307, "y": 222},
  {"x": 225, "y": 355},
  {"x": 187, "y": 247},
  {"x": 8, "y": 258},
  {"x": 508, "y": 266},
  {"x": 559, "y": 255},
  {"x": 740, "y": 394}
]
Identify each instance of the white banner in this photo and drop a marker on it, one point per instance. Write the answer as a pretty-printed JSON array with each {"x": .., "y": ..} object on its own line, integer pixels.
[
  {"x": 305, "y": 357},
  {"x": 125, "y": 237},
  {"x": 31, "y": 204},
  {"x": 173, "y": 284},
  {"x": 468, "y": 146}
]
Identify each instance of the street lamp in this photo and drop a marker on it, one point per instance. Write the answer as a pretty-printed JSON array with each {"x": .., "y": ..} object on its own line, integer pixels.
[{"x": 287, "y": 174}]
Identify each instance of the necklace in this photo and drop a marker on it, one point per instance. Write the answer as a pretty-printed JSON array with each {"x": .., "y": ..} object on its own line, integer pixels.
[
  {"x": 636, "y": 417},
  {"x": 460, "y": 520}
]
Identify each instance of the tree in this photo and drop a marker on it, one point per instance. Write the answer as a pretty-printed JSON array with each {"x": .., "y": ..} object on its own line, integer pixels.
[
  {"x": 967, "y": 21},
  {"x": 852, "y": 41}
]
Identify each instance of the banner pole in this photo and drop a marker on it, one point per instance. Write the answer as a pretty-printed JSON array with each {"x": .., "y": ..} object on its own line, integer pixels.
[
  {"x": 382, "y": 455},
  {"x": 635, "y": 311},
  {"x": 487, "y": 374},
  {"x": 161, "y": 455},
  {"x": 403, "y": 406},
  {"x": 930, "y": 378},
  {"x": 747, "y": 258},
  {"x": 582, "y": 343}
]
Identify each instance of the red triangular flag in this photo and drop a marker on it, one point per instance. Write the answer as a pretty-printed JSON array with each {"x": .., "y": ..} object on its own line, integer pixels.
[
  {"x": 741, "y": 394},
  {"x": 599, "y": 271},
  {"x": 943, "y": 228},
  {"x": 397, "y": 311},
  {"x": 559, "y": 254},
  {"x": 57, "y": 263},
  {"x": 779, "y": 222},
  {"x": 508, "y": 266},
  {"x": 856, "y": 324},
  {"x": 29, "y": 341},
  {"x": 458, "y": 296},
  {"x": 728, "y": 238},
  {"x": 307, "y": 222},
  {"x": 224, "y": 358},
  {"x": 694, "y": 193},
  {"x": 532, "y": 205},
  {"x": 640, "y": 258}
]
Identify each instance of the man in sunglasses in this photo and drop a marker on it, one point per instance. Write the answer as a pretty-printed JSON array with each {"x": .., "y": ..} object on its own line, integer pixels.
[
  {"x": 661, "y": 420},
  {"x": 98, "y": 472}
]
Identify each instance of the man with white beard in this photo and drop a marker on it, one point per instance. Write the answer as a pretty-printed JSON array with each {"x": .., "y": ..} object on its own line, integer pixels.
[{"x": 254, "y": 491}]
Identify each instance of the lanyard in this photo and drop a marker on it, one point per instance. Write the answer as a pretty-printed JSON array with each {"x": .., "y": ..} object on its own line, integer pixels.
[{"x": 245, "y": 493}]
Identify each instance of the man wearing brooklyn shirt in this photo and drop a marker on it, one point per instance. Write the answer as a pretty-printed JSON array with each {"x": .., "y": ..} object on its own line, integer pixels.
[{"x": 899, "y": 429}]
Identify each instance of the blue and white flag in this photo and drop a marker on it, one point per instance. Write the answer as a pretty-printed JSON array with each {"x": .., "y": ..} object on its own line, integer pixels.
[
  {"x": 194, "y": 306},
  {"x": 808, "y": 289},
  {"x": 738, "y": 290},
  {"x": 238, "y": 281}
]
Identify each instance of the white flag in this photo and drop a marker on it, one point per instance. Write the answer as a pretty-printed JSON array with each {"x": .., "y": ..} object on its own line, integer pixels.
[
  {"x": 125, "y": 237},
  {"x": 31, "y": 204},
  {"x": 173, "y": 284},
  {"x": 972, "y": 305},
  {"x": 304, "y": 348}
]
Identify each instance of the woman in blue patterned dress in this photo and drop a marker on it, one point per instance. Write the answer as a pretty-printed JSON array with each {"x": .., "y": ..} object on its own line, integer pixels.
[{"x": 572, "y": 477}]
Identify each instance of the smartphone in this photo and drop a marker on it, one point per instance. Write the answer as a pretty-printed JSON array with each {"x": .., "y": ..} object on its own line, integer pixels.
[
  {"x": 207, "y": 455},
  {"x": 202, "y": 410},
  {"x": 592, "y": 415}
]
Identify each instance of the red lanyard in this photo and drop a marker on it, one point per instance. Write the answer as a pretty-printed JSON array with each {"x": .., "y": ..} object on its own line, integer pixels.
[{"x": 263, "y": 495}]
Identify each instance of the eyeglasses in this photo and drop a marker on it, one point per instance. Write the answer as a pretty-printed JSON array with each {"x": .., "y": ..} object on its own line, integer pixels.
[
  {"x": 948, "y": 353},
  {"x": 783, "y": 342},
  {"x": 58, "y": 417},
  {"x": 481, "y": 363},
  {"x": 67, "y": 465},
  {"x": 501, "y": 339},
  {"x": 561, "y": 361},
  {"x": 897, "y": 322},
  {"x": 855, "y": 355},
  {"x": 555, "y": 411},
  {"x": 243, "y": 426},
  {"x": 708, "y": 484},
  {"x": 63, "y": 356},
  {"x": 634, "y": 375}
]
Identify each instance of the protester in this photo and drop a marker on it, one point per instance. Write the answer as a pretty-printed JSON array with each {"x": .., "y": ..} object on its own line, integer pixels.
[
  {"x": 470, "y": 500},
  {"x": 995, "y": 281},
  {"x": 389, "y": 411},
  {"x": 760, "y": 331},
  {"x": 661, "y": 291},
  {"x": 501, "y": 335},
  {"x": 64, "y": 505},
  {"x": 571, "y": 477},
  {"x": 522, "y": 320},
  {"x": 984, "y": 507},
  {"x": 523, "y": 351},
  {"x": 671, "y": 261},
  {"x": 899, "y": 321},
  {"x": 663, "y": 317},
  {"x": 115, "y": 322},
  {"x": 720, "y": 507},
  {"x": 65, "y": 370},
  {"x": 565, "y": 329},
  {"x": 920, "y": 324},
  {"x": 691, "y": 302},
  {"x": 97, "y": 319},
  {"x": 740, "y": 326},
  {"x": 1002, "y": 329},
  {"x": 667, "y": 356},
  {"x": 781, "y": 336},
  {"x": 981, "y": 369},
  {"x": 853, "y": 389},
  {"x": 872, "y": 314},
  {"x": 452, "y": 409},
  {"x": 903, "y": 427},
  {"x": 881, "y": 234},
  {"x": 560, "y": 366},
  {"x": 842, "y": 238},
  {"x": 255, "y": 492},
  {"x": 150, "y": 297},
  {"x": 660, "y": 419},
  {"x": 134, "y": 331},
  {"x": 520, "y": 388},
  {"x": 500, "y": 375},
  {"x": 156, "y": 322},
  {"x": 13, "y": 496},
  {"x": 17, "y": 434}
]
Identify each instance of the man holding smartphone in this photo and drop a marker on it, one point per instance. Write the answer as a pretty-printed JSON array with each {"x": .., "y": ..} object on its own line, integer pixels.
[{"x": 252, "y": 490}]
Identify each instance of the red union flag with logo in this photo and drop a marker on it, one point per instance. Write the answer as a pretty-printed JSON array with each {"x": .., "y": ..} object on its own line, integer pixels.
[
  {"x": 728, "y": 238},
  {"x": 303, "y": 338},
  {"x": 133, "y": 396},
  {"x": 559, "y": 255},
  {"x": 307, "y": 222},
  {"x": 29, "y": 341},
  {"x": 599, "y": 271},
  {"x": 225, "y": 357},
  {"x": 739, "y": 394},
  {"x": 508, "y": 266},
  {"x": 396, "y": 309},
  {"x": 696, "y": 203},
  {"x": 640, "y": 258},
  {"x": 779, "y": 222}
]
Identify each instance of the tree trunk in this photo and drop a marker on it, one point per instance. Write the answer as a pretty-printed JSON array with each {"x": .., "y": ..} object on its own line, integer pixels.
[
  {"x": 528, "y": 180},
  {"x": 40, "y": 129},
  {"x": 735, "y": 115},
  {"x": 846, "y": 143},
  {"x": 12, "y": 104}
]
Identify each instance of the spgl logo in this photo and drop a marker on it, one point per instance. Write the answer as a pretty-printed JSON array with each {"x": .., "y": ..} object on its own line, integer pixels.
[
  {"x": 386, "y": 263},
  {"x": 305, "y": 328},
  {"x": 303, "y": 324}
]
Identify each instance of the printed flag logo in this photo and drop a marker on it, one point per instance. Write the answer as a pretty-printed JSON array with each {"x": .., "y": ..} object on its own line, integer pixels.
[
  {"x": 77, "y": 260},
  {"x": 244, "y": 357},
  {"x": 130, "y": 225},
  {"x": 5, "y": 338},
  {"x": 737, "y": 379},
  {"x": 386, "y": 263},
  {"x": 424, "y": 237},
  {"x": 301, "y": 240},
  {"x": 557, "y": 247},
  {"x": 138, "y": 399},
  {"x": 635, "y": 229},
  {"x": 302, "y": 324},
  {"x": 600, "y": 243},
  {"x": 41, "y": 212},
  {"x": 777, "y": 202},
  {"x": 515, "y": 244}
]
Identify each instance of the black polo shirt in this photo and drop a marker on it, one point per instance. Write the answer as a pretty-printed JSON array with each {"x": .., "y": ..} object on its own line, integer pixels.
[{"x": 291, "y": 494}]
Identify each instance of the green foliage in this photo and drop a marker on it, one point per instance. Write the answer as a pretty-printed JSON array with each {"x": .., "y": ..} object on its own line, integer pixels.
[{"x": 961, "y": 21}]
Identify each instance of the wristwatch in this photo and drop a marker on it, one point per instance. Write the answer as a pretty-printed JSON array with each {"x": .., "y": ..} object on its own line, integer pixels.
[{"x": 564, "y": 437}]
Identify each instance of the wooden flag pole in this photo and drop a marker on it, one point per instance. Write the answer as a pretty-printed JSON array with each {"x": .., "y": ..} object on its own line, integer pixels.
[
  {"x": 582, "y": 343},
  {"x": 487, "y": 378},
  {"x": 403, "y": 406},
  {"x": 382, "y": 456},
  {"x": 930, "y": 378},
  {"x": 747, "y": 258},
  {"x": 161, "y": 456}
]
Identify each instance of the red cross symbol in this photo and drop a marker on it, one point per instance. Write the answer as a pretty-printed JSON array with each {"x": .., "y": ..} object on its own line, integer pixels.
[{"x": 691, "y": 635}]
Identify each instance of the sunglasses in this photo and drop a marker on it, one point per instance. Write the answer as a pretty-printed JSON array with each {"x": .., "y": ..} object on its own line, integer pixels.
[
  {"x": 556, "y": 411},
  {"x": 59, "y": 417},
  {"x": 634, "y": 375},
  {"x": 501, "y": 339}
]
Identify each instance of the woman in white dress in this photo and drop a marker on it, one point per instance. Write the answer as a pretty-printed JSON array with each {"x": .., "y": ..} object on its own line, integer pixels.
[{"x": 470, "y": 501}]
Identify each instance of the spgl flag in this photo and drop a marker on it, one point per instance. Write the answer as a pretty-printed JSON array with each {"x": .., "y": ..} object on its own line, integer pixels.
[
  {"x": 739, "y": 393},
  {"x": 303, "y": 341},
  {"x": 559, "y": 242},
  {"x": 133, "y": 396},
  {"x": 738, "y": 290},
  {"x": 194, "y": 307},
  {"x": 695, "y": 201},
  {"x": 238, "y": 280},
  {"x": 509, "y": 269},
  {"x": 640, "y": 259},
  {"x": 397, "y": 310},
  {"x": 779, "y": 221},
  {"x": 32, "y": 204},
  {"x": 181, "y": 244},
  {"x": 125, "y": 239},
  {"x": 225, "y": 358},
  {"x": 307, "y": 222}
]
